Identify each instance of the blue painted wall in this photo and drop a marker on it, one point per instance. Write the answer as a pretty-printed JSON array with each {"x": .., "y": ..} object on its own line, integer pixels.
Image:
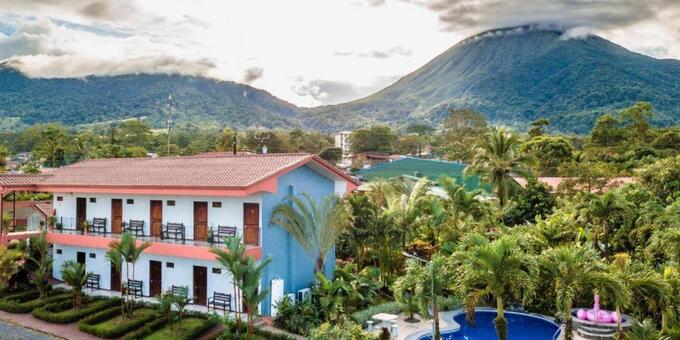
[{"x": 289, "y": 261}]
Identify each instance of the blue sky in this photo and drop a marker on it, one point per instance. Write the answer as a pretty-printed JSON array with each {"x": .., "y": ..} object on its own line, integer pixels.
[{"x": 309, "y": 52}]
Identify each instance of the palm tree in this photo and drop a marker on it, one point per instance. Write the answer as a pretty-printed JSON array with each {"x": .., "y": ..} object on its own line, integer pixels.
[
  {"x": 232, "y": 260},
  {"x": 462, "y": 202},
  {"x": 643, "y": 284},
  {"x": 252, "y": 292},
  {"x": 43, "y": 261},
  {"x": 603, "y": 210},
  {"x": 496, "y": 269},
  {"x": 114, "y": 256},
  {"x": 130, "y": 252},
  {"x": 74, "y": 275},
  {"x": 574, "y": 271},
  {"x": 496, "y": 159},
  {"x": 315, "y": 227}
]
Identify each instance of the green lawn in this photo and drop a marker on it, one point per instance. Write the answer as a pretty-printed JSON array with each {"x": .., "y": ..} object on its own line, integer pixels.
[{"x": 184, "y": 329}]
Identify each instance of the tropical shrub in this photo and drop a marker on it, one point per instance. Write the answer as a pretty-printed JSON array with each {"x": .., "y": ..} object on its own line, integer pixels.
[
  {"x": 109, "y": 323},
  {"x": 297, "y": 317},
  {"x": 342, "y": 331},
  {"x": 14, "y": 306}
]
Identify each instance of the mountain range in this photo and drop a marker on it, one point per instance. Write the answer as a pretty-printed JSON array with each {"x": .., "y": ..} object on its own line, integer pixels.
[{"x": 512, "y": 75}]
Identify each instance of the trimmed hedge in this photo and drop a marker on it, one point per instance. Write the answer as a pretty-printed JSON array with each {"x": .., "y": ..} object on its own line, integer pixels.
[
  {"x": 97, "y": 325},
  {"x": 362, "y": 316},
  {"x": 19, "y": 306},
  {"x": 147, "y": 329},
  {"x": 63, "y": 312}
]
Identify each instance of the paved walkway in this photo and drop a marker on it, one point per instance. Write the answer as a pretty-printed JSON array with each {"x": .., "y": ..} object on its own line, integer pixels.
[
  {"x": 68, "y": 331},
  {"x": 14, "y": 332}
]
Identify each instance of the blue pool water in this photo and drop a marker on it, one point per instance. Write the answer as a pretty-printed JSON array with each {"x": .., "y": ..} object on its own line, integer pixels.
[{"x": 520, "y": 327}]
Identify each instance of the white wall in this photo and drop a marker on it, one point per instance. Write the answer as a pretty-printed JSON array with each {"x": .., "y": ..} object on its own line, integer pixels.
[
  {"x": 180, "y": 275},
  {"x": 230, "y": 214}
]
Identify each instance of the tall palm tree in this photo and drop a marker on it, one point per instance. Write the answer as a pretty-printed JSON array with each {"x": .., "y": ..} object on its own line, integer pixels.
[
  {"x": 462, "y": 202},
  {"x": 497, "y": 269},
  {"x": 232, "y": 259},
  {"x": 114, "y": 256},
  {"x": 251, "y": 289},
  {"x": 130, "y": 252},
  {"x": 644, "y": 286},
  {"x": 316, "y": 227},
  {"x": 74, "y": 275},
  {"x": 496, "y": 159},
  {"x": 43, "y": 261},
  {"x": 603, "y": 211},
  {"x": 574, "y": 271}
]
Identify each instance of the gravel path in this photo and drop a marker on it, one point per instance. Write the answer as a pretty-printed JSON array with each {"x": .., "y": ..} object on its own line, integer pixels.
[{"x": 12, "y": 332}]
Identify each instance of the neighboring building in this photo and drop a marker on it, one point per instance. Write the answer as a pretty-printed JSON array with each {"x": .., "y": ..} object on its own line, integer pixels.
[
  {"x": 416, "y": 167},
  {"x": 196, "y": 193},
  {"x": 555, "y": 184},
  {"x": 344, "y": 142},
  {"x": 28, "y": 215},
  {"x": 367, "y": 160}
]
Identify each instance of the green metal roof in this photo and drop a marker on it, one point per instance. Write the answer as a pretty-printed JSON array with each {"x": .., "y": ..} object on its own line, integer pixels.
[{"x": 432, "y": 169}]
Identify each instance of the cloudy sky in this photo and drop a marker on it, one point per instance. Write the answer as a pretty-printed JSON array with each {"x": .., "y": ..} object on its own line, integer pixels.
[{"x": 309, "y": 52}]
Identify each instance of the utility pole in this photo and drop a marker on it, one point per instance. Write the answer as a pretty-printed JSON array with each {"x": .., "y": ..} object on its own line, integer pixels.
[
  {"x": 169, "y": 123},
  {"x": 261, "y": 137}
]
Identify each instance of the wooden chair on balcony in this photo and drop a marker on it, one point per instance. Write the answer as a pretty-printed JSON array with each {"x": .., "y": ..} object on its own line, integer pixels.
[
  {"x": 135, "y": 227},
  {"x": 98, "y": 225},
  {"x": 221, "y": 232},
  {"x": 174, "y": 231}
]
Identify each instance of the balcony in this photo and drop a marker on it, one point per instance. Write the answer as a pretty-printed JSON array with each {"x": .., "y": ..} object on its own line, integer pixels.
[{"x": 160, "y": 245}]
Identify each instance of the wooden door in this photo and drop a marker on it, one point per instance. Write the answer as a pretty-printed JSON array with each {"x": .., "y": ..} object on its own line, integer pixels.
[
  {"x": 200, "y": 285},
  {"x": 116, "y": 215},
  {"x": 115, "y": 278},
  {"x": 81, "y": 212},
  {"x": 156, "y": 218},
  {"x": 155, "y": 278},
  {"x": 80, "y": 257},
  {"x": 251, "y": 223},
  {"x": 200, "y": 221}
]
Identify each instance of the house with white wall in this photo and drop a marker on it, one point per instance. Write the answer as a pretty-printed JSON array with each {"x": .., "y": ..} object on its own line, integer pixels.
[{"x": 195, "y": 194}]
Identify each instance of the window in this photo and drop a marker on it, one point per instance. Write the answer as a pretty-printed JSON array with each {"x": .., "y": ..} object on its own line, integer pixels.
[
  {"x": 93, "y": 255},
  {"x": 217, "y": 204},
  {"x": 93, "y": 200},
  {"x": 60, "y": 198},
  {"x": 130, "y": 201},
  {"x": 217, "y": 271},
  {"x": 170, "y": 264},
  {"x": 58, "y": 251},
  {"x": 171, "y": 203}
]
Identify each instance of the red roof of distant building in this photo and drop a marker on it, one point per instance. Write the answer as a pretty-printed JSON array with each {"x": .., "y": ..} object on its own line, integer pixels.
[{"x": 554, "y": 182}]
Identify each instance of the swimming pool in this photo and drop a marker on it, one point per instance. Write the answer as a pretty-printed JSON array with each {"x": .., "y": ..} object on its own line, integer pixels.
[{"x": 520, "y": 327}]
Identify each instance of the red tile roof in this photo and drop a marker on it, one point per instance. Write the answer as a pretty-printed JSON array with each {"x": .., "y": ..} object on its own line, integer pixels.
[
  {"x": 206, "y": 171},
  {"x": 45, "y": 207},
  {"x": 20, "y": 180}
]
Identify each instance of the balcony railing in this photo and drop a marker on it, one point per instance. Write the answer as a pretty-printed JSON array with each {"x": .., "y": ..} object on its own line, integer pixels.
[{"x": 170, "y": 233}]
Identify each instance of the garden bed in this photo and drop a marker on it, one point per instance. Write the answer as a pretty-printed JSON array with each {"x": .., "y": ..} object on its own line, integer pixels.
[
  {"x": 109, "y": 323},
  {"x": 25, "y": 302},
  {"x": 63, "y": 312},
  {"x": 185, "y": 329}
]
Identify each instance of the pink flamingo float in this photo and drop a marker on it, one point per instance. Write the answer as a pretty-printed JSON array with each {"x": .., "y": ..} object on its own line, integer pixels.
[{"x": 596, "y": 315}]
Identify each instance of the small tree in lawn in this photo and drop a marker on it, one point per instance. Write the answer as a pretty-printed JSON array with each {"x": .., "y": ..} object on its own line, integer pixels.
[
  {"x": 9, "y": 265},
  {"x": 116, "y": 258},
  {"x": 232, "y": 261},
  {"x": 130, "y": 253},
  {"x": 43, "y": 261},
  {"x": 251, "y": 291},
  {"x": 74, "y": 275},
  {"x": 181, "y": 301}
]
